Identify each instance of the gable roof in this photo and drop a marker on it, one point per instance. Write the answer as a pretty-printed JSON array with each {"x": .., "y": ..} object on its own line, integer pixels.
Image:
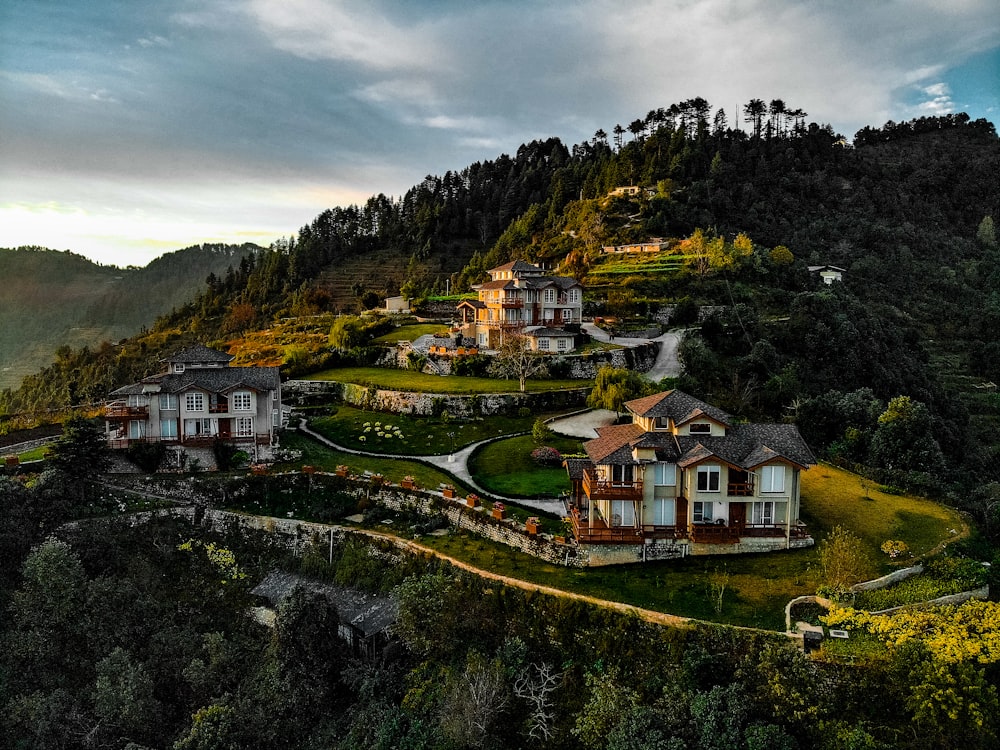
[
  {"x": 747, "y": 446},
  {"x": 199, "y": 354},
  {"x": 678, "y": 406},
  {"x": 210, "y": 379},
  {"x": 369, "y": 613},
  {"x": 517, "y": 266}
]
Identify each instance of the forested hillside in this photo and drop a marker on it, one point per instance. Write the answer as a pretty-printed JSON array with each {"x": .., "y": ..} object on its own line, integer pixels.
[
  {"x": 908, "y": 210},
  {"x": 52, "y": 299}
]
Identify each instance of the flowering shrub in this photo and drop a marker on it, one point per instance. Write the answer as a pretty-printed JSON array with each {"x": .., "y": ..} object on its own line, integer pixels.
[
  {"x": 894, "y": 548},
  {"x": 546, "y": 456}
]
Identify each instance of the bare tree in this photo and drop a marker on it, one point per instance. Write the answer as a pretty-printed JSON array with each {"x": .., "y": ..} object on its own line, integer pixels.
[
  {"x": 535, "y": 684},
  {"x": 515, "y": 359}
]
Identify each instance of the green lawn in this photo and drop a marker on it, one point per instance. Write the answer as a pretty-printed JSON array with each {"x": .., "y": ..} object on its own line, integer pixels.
[
  {"x": 407, "y": 380},
  {"x": 325, "y": 459},
  {"x": 506, "y": 468},
  {"x": 421, "y": 436},
  {"x": 411, "y": 332},
  {"x": 834, "y": 497}
]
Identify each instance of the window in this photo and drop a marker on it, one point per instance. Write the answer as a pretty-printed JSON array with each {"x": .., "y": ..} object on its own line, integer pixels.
[
  {"x": 168, "y": 428},
  {"x": 567, "y": 315},
  {"x": 763, "y": 514},
  {"x": 665, "y": 475},
  {"x": 702, "y": 511},
  {"x": 241, "y": 401},
  {"x": 562, "y": 345},
  {"x": 543, "y": 345},
  {"x": 194, "y": 401},
  {"x": 168, "y": 402},
  {"x": 550, "y": 295},
  {"x": 195, "y": 427},
  {"x": 244, "y": 427},
  {"x": 622, "y": 513},
  {"x": 136, "y": 429},
  {"x": 573, "y": 296},
  {"x": 708, "y": 478},
  {"x": 178, "y": 367},
  {"x": 622, "y": 474},
  {"x": 772, "y": 478},
  {"x": 483, "y": 339},
  {"x": 275, "y": 418},
  {"x": 664, "y": 512},
  {"x": 663, "y": 423},
  {"x": 700, "y": 428},
  {"x": 137, "y": 399}
]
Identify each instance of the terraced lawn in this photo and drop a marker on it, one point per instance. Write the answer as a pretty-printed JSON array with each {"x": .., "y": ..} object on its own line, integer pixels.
[{"x": 506, "y": 468}]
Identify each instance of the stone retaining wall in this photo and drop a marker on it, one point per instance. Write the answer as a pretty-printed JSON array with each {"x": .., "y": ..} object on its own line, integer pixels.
[
  {"x": 303, "y": 392},
  {"x": 894, "y": 577}
]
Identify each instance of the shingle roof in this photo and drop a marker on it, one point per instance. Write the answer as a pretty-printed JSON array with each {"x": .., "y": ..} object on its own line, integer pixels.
[
  {"x": 199, "y": 354},
  {"x": 545, "y": 331},
  {"x": 747, "y": 446},
  {"x": 678, "y": 406},
  {"x": 576, "y": 466},
  {"x": 370, "y": 613},
  {"x": 210, "y": 379},
  {"x": 613, "y": 444},
  {"x": 498, "y": 284},
  {"x": 521, "y": 266}
]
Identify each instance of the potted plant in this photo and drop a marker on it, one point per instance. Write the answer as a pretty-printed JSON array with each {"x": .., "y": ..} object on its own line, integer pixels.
[
  {"x": 407, "y": 482},
  {"x": 532, "y": 525},
  {"x": 448, "y": 491},
  {"x": 472, "y": 500},
  {"x": 499, "y": 511}
]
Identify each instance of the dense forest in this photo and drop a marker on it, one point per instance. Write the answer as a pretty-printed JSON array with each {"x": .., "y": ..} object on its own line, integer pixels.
[{"x": 53, "y": 300}]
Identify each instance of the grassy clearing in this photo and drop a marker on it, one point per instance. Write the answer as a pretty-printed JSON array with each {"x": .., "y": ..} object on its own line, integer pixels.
[
  {"x": 422, "y": 436},
  {"x": 411, "y": 332},
  {"x": 834, "y": 497},
  {"x": 419, "y": 382},
  {"x": 505, "y": 467}
]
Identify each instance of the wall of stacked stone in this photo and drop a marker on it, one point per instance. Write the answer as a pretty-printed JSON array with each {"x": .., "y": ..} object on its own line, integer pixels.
[
  {"x": 664, "y": 314},
  {"x": 428, "y": 404},
  {"x": 894, "y": 577}
]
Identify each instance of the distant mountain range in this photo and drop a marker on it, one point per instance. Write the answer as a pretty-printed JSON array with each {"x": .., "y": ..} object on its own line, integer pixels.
[{"x": 51, "y": 299}]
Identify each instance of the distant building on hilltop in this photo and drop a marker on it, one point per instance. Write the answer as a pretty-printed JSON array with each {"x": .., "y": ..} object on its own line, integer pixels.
[
  {"x": 828, "y": 274},
  {"x": 200, "y": 398},
  {"x": 520, "y": 297}
]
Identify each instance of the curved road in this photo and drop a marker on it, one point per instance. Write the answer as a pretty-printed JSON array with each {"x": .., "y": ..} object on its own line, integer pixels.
[{"x": 667, "y": 364}]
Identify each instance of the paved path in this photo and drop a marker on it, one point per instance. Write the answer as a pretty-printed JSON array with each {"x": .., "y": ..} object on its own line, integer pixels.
[
  {"x": 667, "y": 364},
  {"x": 583, "y": 425},
  {"x": 456, "y": 464}
]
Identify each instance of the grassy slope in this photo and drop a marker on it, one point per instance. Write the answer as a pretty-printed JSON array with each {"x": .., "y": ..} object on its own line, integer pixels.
[{"x": 505, "y": 467}]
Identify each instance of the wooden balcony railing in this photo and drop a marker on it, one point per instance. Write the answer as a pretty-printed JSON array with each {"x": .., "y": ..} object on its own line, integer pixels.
[
  {"x": 598, "y": 531},
  {"x": 218, "y": 408},
  {"x": 712, "y": 533},
  {"x": 121, "y": 410},
  {"x": 740, "y": 489},
  {"x": 596, "y": 488},
  {"x": 512, "y": 304}
]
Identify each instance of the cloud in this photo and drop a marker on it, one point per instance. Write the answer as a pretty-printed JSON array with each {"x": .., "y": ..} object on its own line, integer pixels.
[{"x": 938, "y": 101}]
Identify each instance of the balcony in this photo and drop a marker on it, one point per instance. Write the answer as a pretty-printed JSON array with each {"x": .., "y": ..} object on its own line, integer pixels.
[
  {"x": 121, "y": 410},
  {"x": 511, "y": 303},
  {"x": 740, "y": 489},
  {"x": 599, "y": 532},
  {"x": 714, "y": 533},
  {"x": 221, "y": 407},
  {"x": 601, "y": 489}
]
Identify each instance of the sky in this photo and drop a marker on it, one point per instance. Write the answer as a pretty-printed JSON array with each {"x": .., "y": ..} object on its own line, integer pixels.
[{"x": 130, "y": 129}]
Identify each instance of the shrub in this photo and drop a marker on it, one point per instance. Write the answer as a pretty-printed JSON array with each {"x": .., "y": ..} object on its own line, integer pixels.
[
  {"x": 147, "y": 456},
  {"x": 546, "y": 456},
  {"x": 540, "y": 432}
]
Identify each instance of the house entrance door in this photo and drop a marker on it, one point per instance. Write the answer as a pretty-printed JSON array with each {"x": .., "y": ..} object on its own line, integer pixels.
[{"x": 738, "y": 515}]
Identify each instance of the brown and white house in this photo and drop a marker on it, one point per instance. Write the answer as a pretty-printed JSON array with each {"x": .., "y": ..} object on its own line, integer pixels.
[
  {"x": 198, "y": 399},
  {"x": 520, "y": 297},
  {"x": 683, "y": 478}
]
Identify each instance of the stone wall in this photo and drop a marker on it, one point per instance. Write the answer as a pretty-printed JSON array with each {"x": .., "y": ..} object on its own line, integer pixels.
[
  {"x": 428, "y": 404},
  {"x": 894, "y": 577}
]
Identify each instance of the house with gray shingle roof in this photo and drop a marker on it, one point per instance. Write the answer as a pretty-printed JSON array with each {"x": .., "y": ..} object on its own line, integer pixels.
[
  {"x": 685, "y": 474},
  {"x": 199, "y": 398},
  {"x": 520, "y": 297}
]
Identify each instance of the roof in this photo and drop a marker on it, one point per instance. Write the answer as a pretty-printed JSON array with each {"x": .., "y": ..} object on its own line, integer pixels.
[
  {"x": 210, "y": 379},
  {"x": 370, "y": 613},
  {"x": 744, "y": 446},
  {"x": 576, "y": 466},
  {"x": 471, "y": 303},
  {"x": 747, "y": 446},
  {"x": 545, "y": 331},
  {"x": 199, "y": 354},
  {"x": 814, "y": 269},
  {"x": 517, "y": 266},
  {"x": 678, "y": 406}
]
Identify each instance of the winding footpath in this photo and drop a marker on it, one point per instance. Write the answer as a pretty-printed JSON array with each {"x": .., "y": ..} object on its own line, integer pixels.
[{"x": 455, "y": 464}]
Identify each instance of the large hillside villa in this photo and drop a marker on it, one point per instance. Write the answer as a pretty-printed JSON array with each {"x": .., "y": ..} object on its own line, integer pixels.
[
  {"x": 520, "y": 297},
  {"x": 684, "y": 479},
  {"x": 200, "y": 398}
]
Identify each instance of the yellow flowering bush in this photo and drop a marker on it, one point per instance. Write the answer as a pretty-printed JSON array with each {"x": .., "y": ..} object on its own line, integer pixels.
[
  {"x": 967, "y": 632},
  {"x": 222, "y": 559}
]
